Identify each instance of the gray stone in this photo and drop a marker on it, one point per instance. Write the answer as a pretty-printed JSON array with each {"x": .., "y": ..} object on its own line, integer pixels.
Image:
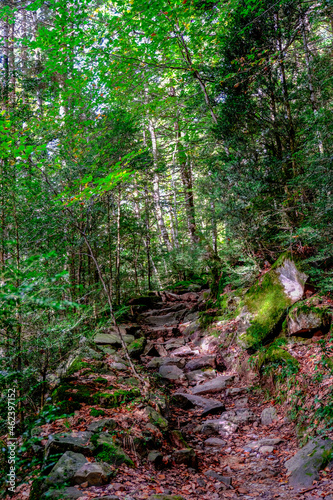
[
  {"x": 157, "y": 362},
  {"x": 215, "y": 443},
  {"x": 65, "y": 469},
  {"x": 185, "y": 456},
  {"x": 78, "y": 442},
  {"x": 119, "y": 367},
  {"x": 62, "y": 494},
  {"x": 235, "y": 391},
  {"x": 186, "y": 401},
  {"x": 239, "y": 416},
  {"x": 198, "y": 363},
  {"x": 200, "y": 376},
  {"x": 113, "y": 339},
  {"x": 218, "y": 426},
  {"x": 213, "y": 386},
  {"x": 166, "y": 320},
  {"x": 303, "y": 468},
  {"x": 171, "y": 372},
  {"x": 223, "y": 479},
  {"x": 266, "y": 449},
  {"x": 156, "y": 458},
  {"x": 175, "y": 343},
  {"x": 255, "y": 445},
  {"x": 99, "y": 425},
  {"x": 268, "y": 415},
  {"x": 94, "y": 473}
]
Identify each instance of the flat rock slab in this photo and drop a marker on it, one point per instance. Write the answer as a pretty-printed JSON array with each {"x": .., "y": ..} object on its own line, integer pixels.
[
  {"x": 112, "y": 339},
  {"x": 214, "y": 386},
  {"x": 157, "y": 362},
  {"x": 198, "y": 363},
  {"x": 78, "y": 442},
  {"x": 304, "y": 467},
  {"x": 171, "y": 372},
  {"x": 200, "y": 375},
  {"x": 186, "y": 401},
  {"x": 166, "y": 320}
]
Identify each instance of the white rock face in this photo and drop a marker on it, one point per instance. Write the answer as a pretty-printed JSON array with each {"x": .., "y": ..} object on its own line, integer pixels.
[{"x": 292, "y": 280}]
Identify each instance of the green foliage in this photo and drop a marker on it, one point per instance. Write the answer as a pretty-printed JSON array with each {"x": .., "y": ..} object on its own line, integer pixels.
[{"x": 94, "y": 412}]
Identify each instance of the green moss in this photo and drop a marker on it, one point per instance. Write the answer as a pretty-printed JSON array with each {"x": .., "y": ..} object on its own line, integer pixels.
[
  {"x": 76, "y": 366},
  {"x": 269, "y": 303},
  {"x": 115, "y": 399},
  {"x": 69, "y": 397},
  {"x": 97, "y": 413},
  {"x": 276, "y": 356},
  {"x": 101, "y": 380},
  {"x": 111, "y": 454},
  {"x": 136, "y": 347}
]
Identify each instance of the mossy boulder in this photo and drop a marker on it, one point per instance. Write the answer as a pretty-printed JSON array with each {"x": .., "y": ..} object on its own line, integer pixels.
[
  {"x": 136, "y": 347},
  {"x": 107, "y": 451},
  {"x": 267, "y": 302},
  {"x": 156, "y": 418},
  {"x": 69, "y": 397}
]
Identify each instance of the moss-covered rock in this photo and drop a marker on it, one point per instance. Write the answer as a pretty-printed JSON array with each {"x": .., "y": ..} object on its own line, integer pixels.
[
  {"x": 276, "y": 356},
  {"x": 107, "y": 451},
  {"x": 268, "y": 301},
  {"x": 136, "y": 347},
  {"x": 307, "y": 317},
  {"x": 156, "y": 418}
]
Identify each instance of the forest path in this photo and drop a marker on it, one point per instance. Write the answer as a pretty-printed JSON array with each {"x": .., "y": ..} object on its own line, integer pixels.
[
  {"x": 207, "y": 431},
  {"x": 240, "y": 442}
]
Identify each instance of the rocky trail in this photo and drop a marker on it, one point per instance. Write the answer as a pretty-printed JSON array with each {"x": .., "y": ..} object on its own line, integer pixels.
[{"x": 205, "y": 433}]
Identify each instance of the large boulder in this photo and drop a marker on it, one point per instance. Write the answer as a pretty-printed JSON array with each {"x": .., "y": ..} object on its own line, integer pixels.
[
  {"x": 65, "y": 469},
  {"x": 266, "y": 302},
  {"x": 303, "y": 468}
]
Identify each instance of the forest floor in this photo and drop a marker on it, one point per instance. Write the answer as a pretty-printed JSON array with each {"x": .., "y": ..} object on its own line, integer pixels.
[{"x": 232, "y": 463}]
